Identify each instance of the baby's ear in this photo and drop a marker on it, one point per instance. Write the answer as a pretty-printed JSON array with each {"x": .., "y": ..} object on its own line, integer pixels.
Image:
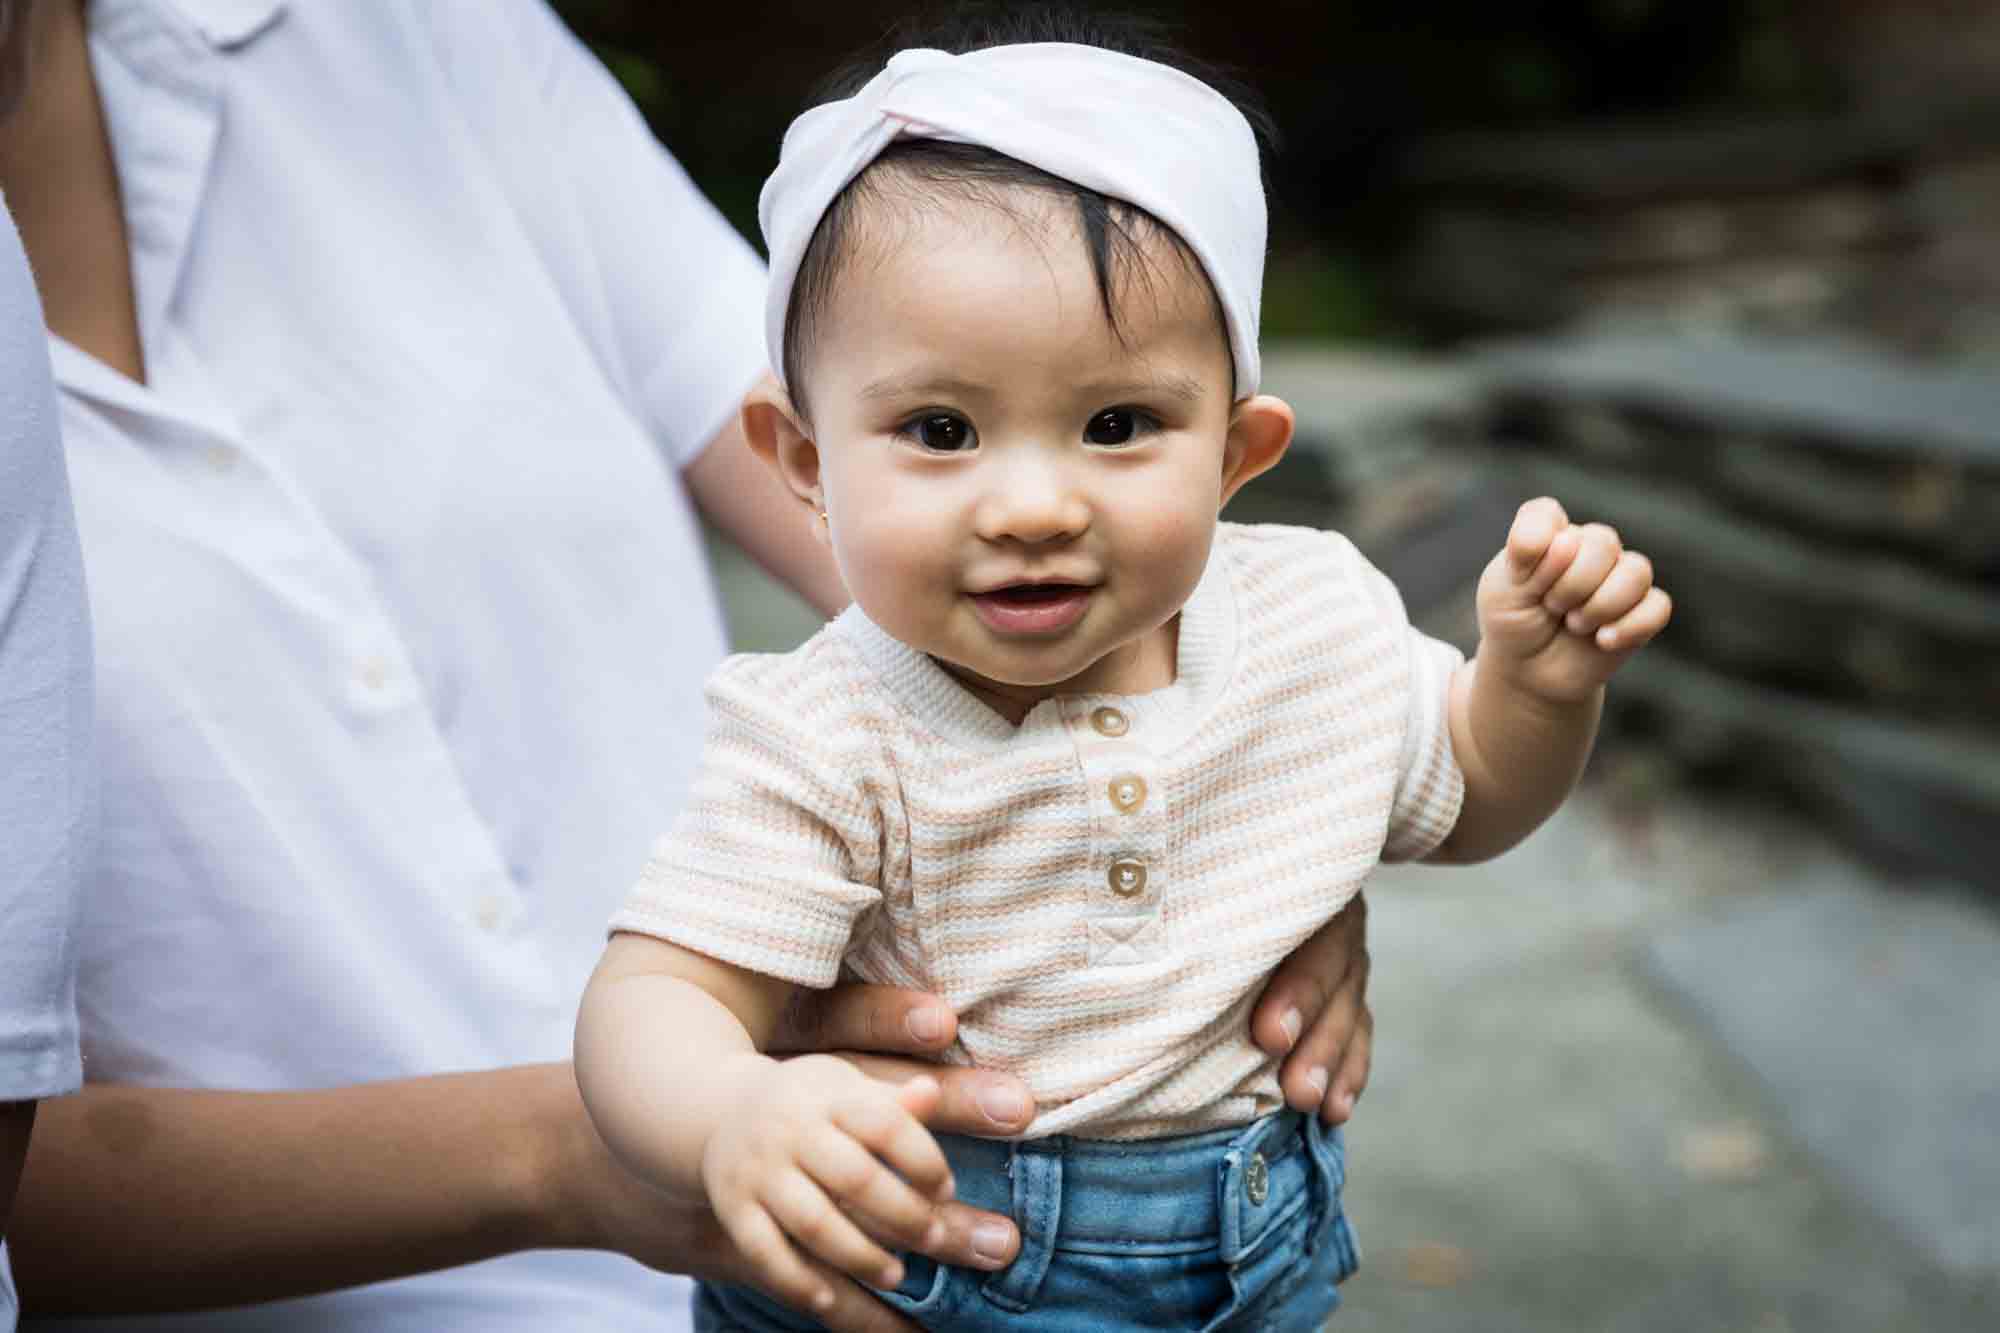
[
  {"x": 1260, "y": 430},
  {"x": 777, "y": 434}
]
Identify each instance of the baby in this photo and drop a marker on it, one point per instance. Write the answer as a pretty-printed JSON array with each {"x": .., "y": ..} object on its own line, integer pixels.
[{"x": 1081, "y": 758}]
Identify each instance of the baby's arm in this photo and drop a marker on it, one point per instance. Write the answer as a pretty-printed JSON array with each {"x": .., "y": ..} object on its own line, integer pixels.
[
  {"x": 1560, "y": 610},
  {"x": 795, "y": 1157}
]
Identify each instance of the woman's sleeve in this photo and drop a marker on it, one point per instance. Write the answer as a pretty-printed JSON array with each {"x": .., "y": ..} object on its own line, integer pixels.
[
  {"x": 665, "y": 290},
  {"x": 47, "y": 769}
]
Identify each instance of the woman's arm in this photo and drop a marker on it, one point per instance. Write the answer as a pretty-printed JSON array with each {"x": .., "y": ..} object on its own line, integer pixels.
[
  {"x": 745, "y": 499},
  {"x": 17, "y": 1120},
  {"x": 166, "y": 1199},
  {"x": 137, "y": 1200}
]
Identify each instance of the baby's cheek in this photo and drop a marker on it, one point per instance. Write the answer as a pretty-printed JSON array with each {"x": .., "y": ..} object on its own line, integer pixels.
[
  {"x": 894, "y": 573},
  {"x": 1173, "y": 542}
]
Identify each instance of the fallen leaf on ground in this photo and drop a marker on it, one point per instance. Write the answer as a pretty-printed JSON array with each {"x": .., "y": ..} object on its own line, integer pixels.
[
  {"x": 1730, "y": 1152},
  {"x": 1435, "y": 1264}
]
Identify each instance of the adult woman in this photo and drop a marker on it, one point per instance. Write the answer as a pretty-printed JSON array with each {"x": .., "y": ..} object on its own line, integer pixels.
[
  {"x": 401, "y": 624},
  {"x": 46, "y": 774}
]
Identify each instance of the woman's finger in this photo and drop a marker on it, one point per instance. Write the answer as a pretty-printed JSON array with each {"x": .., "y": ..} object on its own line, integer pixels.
[
  {"x": 860, "y": 1017},
  {"x": 1307, "y": 1076},
  {"x": 1351, "y": 1079},
  {"x": 970, "y": 1101},
  {"x": 1299, "y": 988}
]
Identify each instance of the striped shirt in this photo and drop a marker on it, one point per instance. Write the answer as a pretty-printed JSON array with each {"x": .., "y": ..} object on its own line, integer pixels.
[{"x": 1101, "y": 891}]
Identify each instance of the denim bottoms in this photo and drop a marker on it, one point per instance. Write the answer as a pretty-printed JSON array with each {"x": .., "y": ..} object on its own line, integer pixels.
[{"x": 1231, "y": 1229}]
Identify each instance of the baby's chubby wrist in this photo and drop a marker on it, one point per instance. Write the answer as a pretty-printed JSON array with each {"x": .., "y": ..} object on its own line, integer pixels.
[{"x": 1515, "y": 684}]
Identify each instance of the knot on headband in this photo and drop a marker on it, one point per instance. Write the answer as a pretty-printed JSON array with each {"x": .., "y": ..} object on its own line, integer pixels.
[{"x": 1128, "y": 128}]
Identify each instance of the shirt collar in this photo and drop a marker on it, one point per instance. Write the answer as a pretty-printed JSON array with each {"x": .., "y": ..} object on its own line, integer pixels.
[
  {"x": 1205, "y": 660},
  {"x": 230, "y": 23}
]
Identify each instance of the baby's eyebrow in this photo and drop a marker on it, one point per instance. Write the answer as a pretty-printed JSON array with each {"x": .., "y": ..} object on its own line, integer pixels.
[
  {"x": 1187, "y": 388},
  {"x": 895, "y": 387}
]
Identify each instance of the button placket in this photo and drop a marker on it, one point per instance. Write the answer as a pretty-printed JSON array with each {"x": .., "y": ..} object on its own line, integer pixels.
[{"x": 1125, "y": 925}]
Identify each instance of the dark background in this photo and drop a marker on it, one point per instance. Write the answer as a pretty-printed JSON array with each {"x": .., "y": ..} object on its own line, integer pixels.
[{"x": 1354, "y": 88}]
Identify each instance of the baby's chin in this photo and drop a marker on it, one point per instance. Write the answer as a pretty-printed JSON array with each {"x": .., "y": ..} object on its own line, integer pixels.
[{"x": 1024, "y": 685}]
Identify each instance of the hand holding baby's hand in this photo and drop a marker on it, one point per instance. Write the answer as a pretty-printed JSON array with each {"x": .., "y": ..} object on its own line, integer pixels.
[
  {"x": 822, "y": 1163},
  {"x": 1563, "y": 606}
]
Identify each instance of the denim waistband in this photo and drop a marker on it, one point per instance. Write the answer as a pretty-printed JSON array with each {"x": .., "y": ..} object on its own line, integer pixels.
[{"x": 1221, "y": 1188}]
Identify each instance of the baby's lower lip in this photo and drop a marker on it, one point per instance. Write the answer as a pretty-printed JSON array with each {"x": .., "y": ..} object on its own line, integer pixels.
[{"x": 1043, "y": 610}]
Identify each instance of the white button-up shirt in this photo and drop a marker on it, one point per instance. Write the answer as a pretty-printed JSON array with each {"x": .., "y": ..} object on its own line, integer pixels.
[
  {"x": 402, "y": 613},
  {"x": 47, "y": 819}
]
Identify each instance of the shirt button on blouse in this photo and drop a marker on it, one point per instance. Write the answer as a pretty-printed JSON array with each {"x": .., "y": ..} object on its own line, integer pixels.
[
  {"x": 491, "y": 914},
  {"x": 1127, "y": 877},
  {"x": 1109, "y": 721}
]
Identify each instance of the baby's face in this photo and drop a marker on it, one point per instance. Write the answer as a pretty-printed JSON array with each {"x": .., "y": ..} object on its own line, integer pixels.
[{"x": 1010, "y": 486}]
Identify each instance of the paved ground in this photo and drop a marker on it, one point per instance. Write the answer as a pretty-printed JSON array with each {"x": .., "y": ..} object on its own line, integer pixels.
[
  {"x": 1569, "y": 1127},
  {"x": 1556, "y": 1140}
]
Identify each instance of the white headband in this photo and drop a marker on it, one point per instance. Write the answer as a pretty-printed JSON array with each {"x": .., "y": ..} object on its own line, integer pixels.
[{"x": 1128, "y": 128}]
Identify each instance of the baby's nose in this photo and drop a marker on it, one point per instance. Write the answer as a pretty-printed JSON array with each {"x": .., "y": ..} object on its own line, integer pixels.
[{"x": 1034, "y": 502}]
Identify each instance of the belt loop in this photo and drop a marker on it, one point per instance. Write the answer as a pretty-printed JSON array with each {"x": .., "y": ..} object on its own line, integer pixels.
[
  {"x": 1229, "y": 1204},
  {"x": 1036, "y": 1169}
]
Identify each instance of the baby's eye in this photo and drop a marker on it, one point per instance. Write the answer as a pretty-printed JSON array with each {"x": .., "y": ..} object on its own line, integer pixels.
[
  {"x": 1117, "y": 425},
  {"x": 943, "y": 433}
]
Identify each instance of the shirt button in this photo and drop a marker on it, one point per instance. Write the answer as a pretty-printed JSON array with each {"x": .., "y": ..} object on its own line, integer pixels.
[
  {"x": 1127, "y": 877},
  {"x": 221, "y": 457},
  {"x": 1257, "y": 1180},
  {"x": 373, "y": 673},
  {"x": 1110, "y": 722},
  {"x": 491, "y": 913},
  {"x": 1128, "y": 793}
]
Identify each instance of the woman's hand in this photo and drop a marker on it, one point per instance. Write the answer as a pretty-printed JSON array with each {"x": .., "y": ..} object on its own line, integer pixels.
[
  {"x": 1314, "y": 1012},
  {"x": 877, "y": 1027}
]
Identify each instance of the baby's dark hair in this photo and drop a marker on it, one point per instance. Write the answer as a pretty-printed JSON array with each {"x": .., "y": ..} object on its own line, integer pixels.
[{"x": 1113, "y": 230}]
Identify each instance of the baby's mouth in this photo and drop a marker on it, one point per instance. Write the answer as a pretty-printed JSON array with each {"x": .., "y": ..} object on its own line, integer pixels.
[
  {"x": 1032, "y": 608},
  {"x": 1034, "y": 594}
]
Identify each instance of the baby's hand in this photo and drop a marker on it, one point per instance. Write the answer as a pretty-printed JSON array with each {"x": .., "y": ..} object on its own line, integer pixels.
[
  {"x": 1563, "y": 606},
  {"x": 820, "y": 1159}
]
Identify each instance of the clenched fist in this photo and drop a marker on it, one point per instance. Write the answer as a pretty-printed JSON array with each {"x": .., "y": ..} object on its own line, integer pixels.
[{"x": 1565, "y": 604}]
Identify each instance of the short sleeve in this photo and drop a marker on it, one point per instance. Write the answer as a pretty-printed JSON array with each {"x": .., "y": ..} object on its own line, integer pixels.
[
  {"x": 667, "y": 292},
  {"x": 47, "y": 768},
  {"x": 775, "y": 858},
  {"x": 1430, "y": 785}
]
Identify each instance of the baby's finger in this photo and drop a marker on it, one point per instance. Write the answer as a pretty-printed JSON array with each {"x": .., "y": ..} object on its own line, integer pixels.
[
  {"x": 898, "y": 1138},
  {"x": 1597, "y": 553},
  {"x": 776, "y": 1265},
  {"x": 1619, "y": 593},
  {"x": 1352, "y": 1077},
  {"x": 1536, "y": 526},
  {"x": 1636, "y": 628},
  {"x": 877, "y": 1196},
  {"x": 812, "y": 1220}
]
